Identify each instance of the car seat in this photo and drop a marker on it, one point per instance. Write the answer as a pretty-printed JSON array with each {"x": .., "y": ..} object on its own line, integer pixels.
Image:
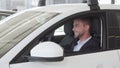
[{"x": 69, "y": 36}]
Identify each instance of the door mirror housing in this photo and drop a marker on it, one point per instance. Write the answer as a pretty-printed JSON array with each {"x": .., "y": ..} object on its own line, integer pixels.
[{"x": 47, "y": 51}]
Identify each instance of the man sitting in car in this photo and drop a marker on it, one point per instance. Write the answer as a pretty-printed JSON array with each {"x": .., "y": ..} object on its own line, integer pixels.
[{"x": 83, "y": 42}]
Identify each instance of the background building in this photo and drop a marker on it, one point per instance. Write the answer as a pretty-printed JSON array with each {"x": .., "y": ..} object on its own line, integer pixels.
[{"x": 25, "y": 4}]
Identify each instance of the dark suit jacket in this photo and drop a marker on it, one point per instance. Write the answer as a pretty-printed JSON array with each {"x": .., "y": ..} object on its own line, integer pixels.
[{"x": 90, "y": 46}]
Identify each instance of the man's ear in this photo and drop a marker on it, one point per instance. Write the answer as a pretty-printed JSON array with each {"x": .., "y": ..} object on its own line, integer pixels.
[{"x": 87, "y": 27}]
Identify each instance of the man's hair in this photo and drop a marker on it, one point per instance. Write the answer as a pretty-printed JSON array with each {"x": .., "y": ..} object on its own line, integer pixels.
[{"x": 86, "y": 20}]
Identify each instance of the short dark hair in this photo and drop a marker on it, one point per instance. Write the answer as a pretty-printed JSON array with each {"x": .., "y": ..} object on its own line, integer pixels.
[{"x": 85, "y": 19}]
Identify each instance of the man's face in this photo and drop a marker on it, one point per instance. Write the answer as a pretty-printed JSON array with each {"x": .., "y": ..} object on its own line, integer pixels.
[{"x": 78, "y": 28}]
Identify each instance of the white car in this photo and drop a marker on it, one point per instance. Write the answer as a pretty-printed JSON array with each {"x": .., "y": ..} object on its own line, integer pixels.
[{"x": 27, "y": 38}]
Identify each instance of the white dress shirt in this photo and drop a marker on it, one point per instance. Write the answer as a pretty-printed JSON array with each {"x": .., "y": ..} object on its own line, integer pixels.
[{"x": 80, "y": 44}]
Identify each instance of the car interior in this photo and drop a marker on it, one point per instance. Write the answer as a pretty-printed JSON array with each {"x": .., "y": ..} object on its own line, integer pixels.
[{"x": 69, "y": 35}]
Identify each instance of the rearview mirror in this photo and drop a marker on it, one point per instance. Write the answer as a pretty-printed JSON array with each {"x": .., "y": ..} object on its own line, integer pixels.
[{"x": 47, "y": 51}]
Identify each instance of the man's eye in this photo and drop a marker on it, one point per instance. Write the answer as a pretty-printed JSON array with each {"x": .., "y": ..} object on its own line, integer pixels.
[{"x": 76, "y": 25}]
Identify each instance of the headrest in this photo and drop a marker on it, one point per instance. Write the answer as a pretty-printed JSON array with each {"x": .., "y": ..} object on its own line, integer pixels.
[
  {"x": 68, "y": 28},
  {"x": 95, "y": 29}
]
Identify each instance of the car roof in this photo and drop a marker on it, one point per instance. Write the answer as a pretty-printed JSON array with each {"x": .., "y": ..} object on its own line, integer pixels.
[{"x": 73, "y": 7}]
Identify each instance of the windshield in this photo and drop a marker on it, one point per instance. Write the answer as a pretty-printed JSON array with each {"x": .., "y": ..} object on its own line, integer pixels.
[
  {"x": 2, "y": 16},
  {"x": 17, "y": 28}
]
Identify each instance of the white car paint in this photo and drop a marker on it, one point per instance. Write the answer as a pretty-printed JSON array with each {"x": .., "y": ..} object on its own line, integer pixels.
[{"x": 98, "y": 60}]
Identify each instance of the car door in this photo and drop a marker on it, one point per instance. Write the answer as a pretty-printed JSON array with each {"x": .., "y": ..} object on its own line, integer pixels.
[
  {"x": 107, "y": 59},
  {"x": 98, "y": 59}
]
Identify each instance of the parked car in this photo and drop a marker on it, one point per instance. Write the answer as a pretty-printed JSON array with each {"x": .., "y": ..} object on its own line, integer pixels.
[
  {"x": 5, "y": 13},
  {"x": 27, "y": 38}
]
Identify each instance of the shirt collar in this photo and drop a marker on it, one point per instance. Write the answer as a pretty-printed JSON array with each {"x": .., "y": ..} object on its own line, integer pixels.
[{"x": 79, "y": 42}]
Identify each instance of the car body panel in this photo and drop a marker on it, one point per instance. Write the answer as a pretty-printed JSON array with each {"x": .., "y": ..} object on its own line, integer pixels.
[{"x": 95, "y": 60}]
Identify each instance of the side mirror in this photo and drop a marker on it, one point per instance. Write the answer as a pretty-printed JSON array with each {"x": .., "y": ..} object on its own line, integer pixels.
[{"x": 46, "y": 51}]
